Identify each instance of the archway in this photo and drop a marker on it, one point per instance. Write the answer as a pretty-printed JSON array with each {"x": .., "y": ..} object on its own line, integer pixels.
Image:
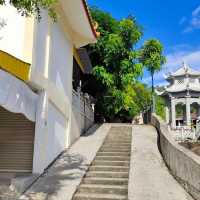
[
  {"x": 194, "y": 113},
  {"x": 180, "y": 114}
]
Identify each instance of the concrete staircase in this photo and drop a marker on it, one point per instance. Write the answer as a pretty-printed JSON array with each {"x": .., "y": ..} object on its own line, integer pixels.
[{"x": 107, "y": 177}]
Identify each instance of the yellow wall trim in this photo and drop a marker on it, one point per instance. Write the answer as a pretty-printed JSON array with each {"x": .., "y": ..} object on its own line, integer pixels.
[
  {"x": 15, "y": 66},
  {"x": 78, "y": 60}
]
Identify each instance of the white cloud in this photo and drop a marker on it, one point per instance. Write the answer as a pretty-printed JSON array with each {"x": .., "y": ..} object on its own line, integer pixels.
[
  {"x": 174, "y": 61},
  {"x": 192, "y": 58},
  {"x": 196, "y": 11},
  {"x": 182, "y": 20},
  {"x": 194, "y": 22}
]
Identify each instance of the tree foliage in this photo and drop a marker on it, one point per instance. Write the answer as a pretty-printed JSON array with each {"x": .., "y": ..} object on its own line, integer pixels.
[
  {"x": 152, "y": 57},
  {"x": 32, "y": 7},
  {"x": 117, "y": 67},
  {"x": 160, "y": 107}
]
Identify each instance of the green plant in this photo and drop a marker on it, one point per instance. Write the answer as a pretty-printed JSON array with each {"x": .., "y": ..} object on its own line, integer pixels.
[
  {"x": 152, "y": 57},
  {"x": 160, "y": 107},
  {"x": 32, "y": 7},
  {"x": 117, "y": 68}
]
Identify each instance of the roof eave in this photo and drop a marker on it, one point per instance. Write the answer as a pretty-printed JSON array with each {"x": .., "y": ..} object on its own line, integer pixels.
[
  {"x": 78, "y": 18},
  {"x": 89, "y": 18}
]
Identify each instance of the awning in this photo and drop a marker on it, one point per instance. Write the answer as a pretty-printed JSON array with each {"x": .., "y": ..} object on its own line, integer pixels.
[
  {"x": 83, "y": 60},
  {"x": 16, "y": 96},
  {"x": 15, "y": 66}
]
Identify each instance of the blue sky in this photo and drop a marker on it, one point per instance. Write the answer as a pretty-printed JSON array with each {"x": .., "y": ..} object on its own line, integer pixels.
[{"x": 176, "y": 23}]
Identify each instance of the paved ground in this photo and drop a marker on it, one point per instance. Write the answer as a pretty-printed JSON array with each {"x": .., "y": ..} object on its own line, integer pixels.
[
  {"x": 5, "y": 192},
  {"x": 149, "y": 177},
  {"x": 63, "y": 178}
]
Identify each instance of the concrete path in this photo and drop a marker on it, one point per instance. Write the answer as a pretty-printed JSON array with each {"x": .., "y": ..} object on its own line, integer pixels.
[
  {"x": 149, "y": 178},
  {"x": 62, "y": 179},
  {"x": 5, "y": 192}
]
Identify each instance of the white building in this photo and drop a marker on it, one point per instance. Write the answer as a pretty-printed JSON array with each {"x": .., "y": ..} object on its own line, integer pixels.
[
  {"x": 183, "y": 89},
  {"x": 36, "y": 64}
]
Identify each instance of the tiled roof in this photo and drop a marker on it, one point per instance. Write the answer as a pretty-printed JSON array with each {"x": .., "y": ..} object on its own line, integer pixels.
[{"x": 184, "y": 70}]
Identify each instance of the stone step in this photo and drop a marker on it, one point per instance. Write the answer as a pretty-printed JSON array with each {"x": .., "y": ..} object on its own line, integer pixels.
[
  {"x": 118, "y": 136},
  {"x": 107, "y": 174},
  {"x": 106, "y": 181},
  {"x": 109, "y": 168},
  {"x": 109, "y": 149},
  {"x": 85, "y": 196},
  {"x": 113, "y": 153},
  {"x": 116, "y": 147},
  {"x": 113, "y": 158},
  {"x": 118, "y": 140},
  {"x": 110, "y": 163},
  {"x": 118, "y": 143},
  {"x": 103, "y": 189}
]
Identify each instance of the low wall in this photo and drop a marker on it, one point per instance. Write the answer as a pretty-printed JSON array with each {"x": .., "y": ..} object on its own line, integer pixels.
[{"x": 183, "y": 164}]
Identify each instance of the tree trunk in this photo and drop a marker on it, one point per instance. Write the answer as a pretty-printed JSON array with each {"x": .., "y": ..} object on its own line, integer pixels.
[
  {"x": 153, "y": 97},
  {"x": 152, "y": 82}
]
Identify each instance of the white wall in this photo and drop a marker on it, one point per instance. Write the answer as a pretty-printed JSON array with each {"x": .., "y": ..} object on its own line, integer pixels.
[
  {"x": 16, "y": 36},
  {"x": 61, "y": 60},
  {"x": 56, "y": 140},
  {"x": 49, "y": 49},
  {"x": 53, "y": 60},
  {"x": 60, "y": 68},
  {"x": 12, "y": 34}
]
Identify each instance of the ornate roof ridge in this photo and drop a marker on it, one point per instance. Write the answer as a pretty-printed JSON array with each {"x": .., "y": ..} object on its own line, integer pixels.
[{"x": 184, "y": 70}]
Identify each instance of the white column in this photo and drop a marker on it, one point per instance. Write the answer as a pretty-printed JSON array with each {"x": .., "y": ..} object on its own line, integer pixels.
[
  {"x": 173, "y": 113},
  {"x": 188, "y": 114},
  {"x": 167, "y": 114},
  {"x": 41, "y": 134},
  {"x": 198, "y": 110}
]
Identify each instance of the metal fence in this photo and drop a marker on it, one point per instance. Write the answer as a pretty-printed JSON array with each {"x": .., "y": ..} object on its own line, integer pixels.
[{"x": 82, "y": 114}]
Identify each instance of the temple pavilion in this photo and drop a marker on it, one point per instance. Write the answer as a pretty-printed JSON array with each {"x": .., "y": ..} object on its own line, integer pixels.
[{"x": 183, "y": 89}]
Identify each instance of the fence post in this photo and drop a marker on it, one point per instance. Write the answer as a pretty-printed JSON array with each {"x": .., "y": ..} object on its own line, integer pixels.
[
  {"x": 84, "y": 115},
  {"x": 79, "y": 107}
]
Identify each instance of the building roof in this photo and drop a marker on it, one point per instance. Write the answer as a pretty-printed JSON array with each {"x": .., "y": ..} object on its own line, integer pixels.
[
  {"x": 182, "y": 87},
  {"x": 182, "y": 84},
  {"x": 76, "y": 15},
  {"x": 93, "y": 27},
  {"x": 184, "y": 70}
]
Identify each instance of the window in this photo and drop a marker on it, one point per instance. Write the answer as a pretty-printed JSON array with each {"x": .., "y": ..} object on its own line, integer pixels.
[{"x": 180, "y": 81}]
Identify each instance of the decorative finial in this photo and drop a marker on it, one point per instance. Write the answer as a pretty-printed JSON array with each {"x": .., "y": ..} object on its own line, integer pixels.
[{"x": 185, "y": 66}]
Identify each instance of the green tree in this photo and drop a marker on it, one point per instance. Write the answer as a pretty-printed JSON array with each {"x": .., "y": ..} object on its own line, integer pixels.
[
  {"x": 160, "y": 106},
  {"x": 32, "y": 7},
  {"x": 143, "y": 97},
  {"x": 152, "y": 57},
  {"x": 117, "y": 67}
]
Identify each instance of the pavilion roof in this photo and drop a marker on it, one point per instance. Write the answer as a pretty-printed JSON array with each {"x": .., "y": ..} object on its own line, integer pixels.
[
  {"x": 184, "y": 70},
  {"x": 180, "y": 88}
]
